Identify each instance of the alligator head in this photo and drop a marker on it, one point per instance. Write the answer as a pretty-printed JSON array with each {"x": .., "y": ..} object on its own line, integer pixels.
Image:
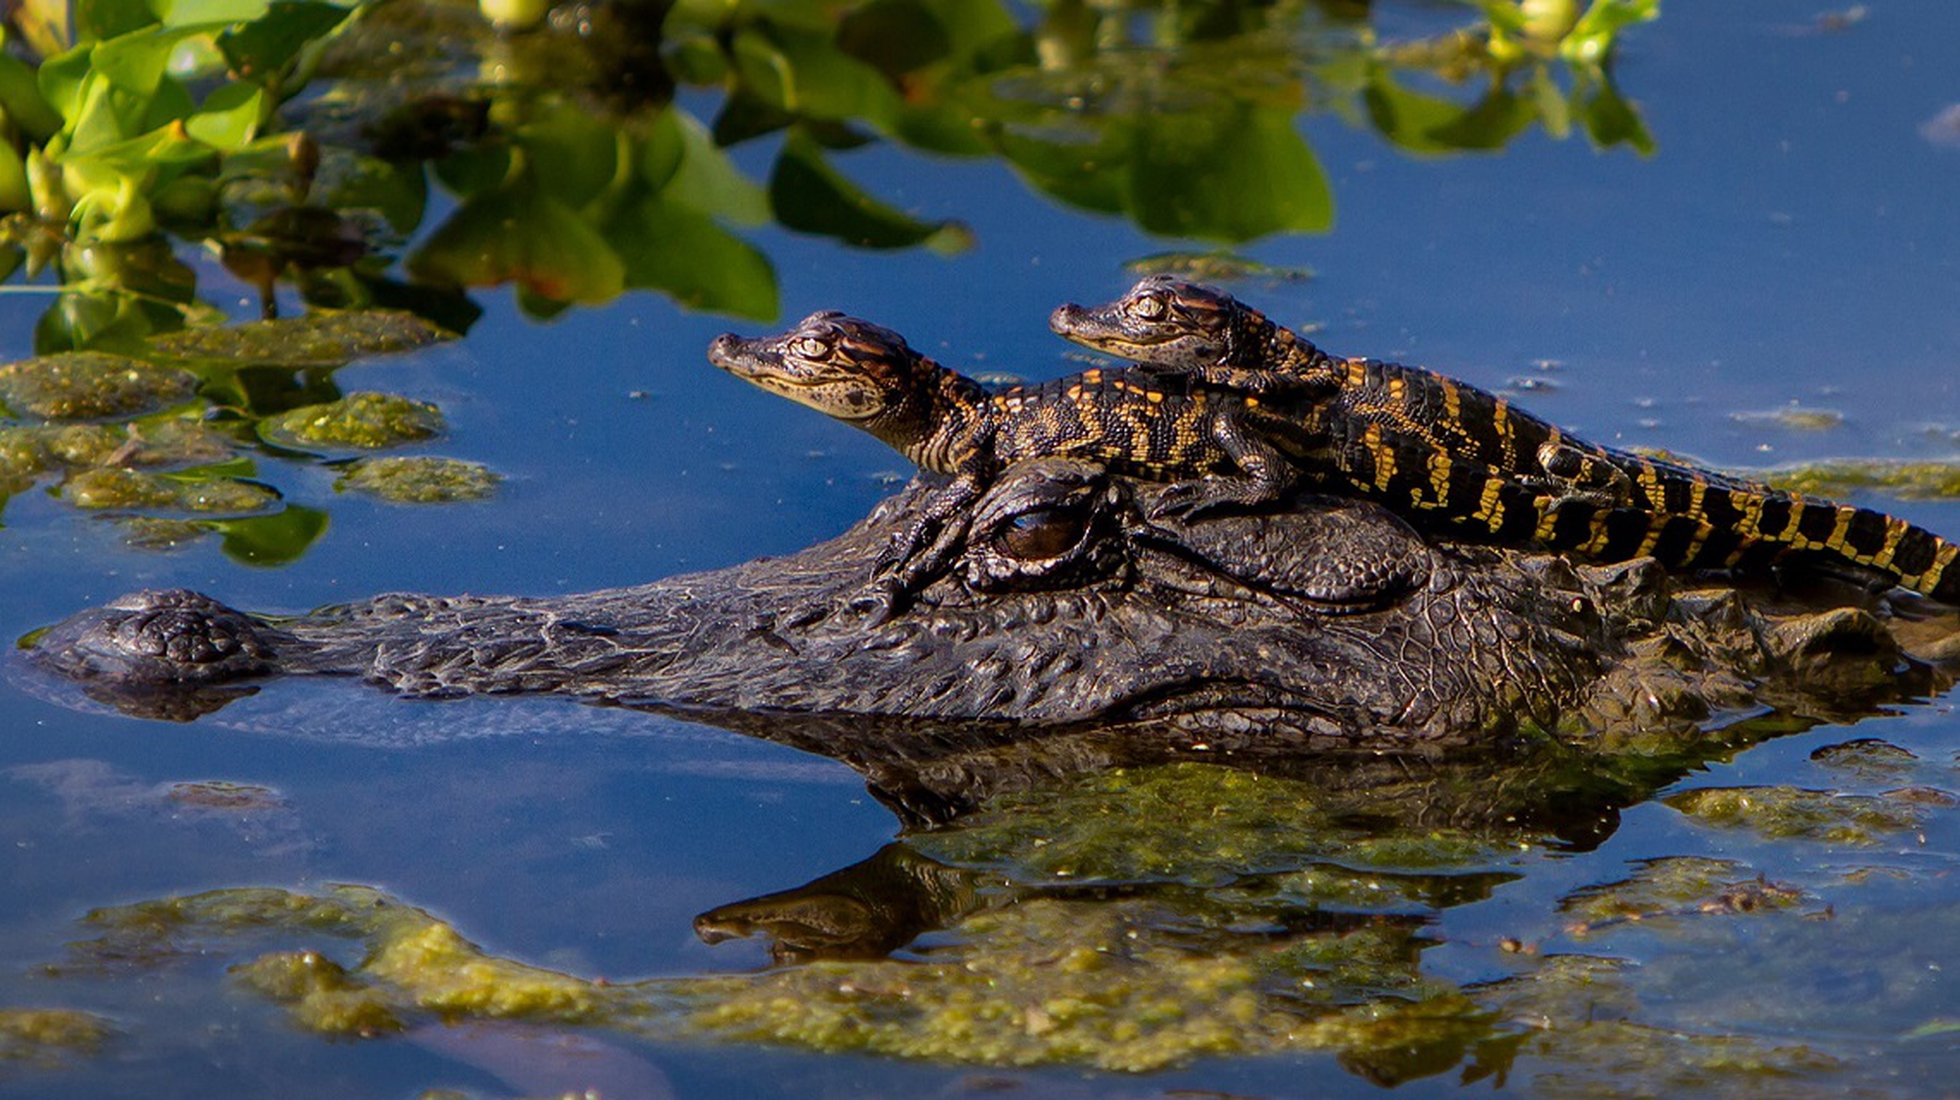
[{"x": 1161, "y": 320}]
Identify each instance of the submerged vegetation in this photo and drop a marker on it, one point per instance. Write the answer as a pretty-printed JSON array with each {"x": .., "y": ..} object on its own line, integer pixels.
[{"x": 1267, "y": 916}]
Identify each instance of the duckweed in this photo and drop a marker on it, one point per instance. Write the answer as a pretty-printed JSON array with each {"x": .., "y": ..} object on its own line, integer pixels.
[
  {"x": 363, "y": 421},
  {"x": 420, "y": 479},
  {"x": 1676, "y": 886},
  {"x": 90, "y": 385},
  {"x": 1794, "y": 417},
  {"x": 1784, "y": 812},
  {"x": 1214, "y": 267},
  {"x": 319, "y": 339},
  {"x": 49, "y": 1036},
  {"x": 1908, "y": 480},
  {"x": 1192, "y": 823},
  {"x": 110, "y": 487}
]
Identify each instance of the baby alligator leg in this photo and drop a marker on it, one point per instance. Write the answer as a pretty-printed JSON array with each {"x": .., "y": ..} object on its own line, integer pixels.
[
  {"x": 1573, "y": 474},
  {"x": 1264, "y": 474},
  {"x": 919, "y": 553}
]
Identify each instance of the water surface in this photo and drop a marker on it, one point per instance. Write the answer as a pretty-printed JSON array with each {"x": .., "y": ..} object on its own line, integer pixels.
[{"x": 1792, "y": 241}]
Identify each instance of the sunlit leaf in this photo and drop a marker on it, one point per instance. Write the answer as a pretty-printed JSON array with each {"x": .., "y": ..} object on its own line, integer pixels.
[
  {"x": 273, "y": 540},
  {"x": 809, "y": 195},
  {"x": 670, "y": 247},
  {"x": 178, "y": 13},
  {"x": 1592, "y": 37},
  {"x": 1554, "y": 113},
  {"x": 230, "y": 116},
  {"x": 61, "y": 81},
  {"x": 517, "y": 235},
  {"x": 135, "y": 62}
]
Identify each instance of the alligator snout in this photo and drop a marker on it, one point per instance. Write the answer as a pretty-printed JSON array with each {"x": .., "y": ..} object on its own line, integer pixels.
[{"x": 721, "y": 350}]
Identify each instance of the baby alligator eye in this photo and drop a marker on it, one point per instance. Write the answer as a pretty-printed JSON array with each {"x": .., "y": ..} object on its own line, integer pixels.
[
  {"x": 1149, "y": 307},
  {"x": 1039, "y": 534},
  {"x": 811, "y": 347}
]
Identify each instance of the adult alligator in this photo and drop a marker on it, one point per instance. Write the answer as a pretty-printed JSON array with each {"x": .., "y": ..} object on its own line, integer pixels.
[{"x": 1071, "y": 630}]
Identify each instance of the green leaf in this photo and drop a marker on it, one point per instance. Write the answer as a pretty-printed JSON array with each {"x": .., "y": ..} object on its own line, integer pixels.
[
  {"x": 1409, "y": 119},
  {"x": 708, "y": 181},
  {"x": 518, "y": 235},
  {"x": 14, "y": 193},
  {"x": 1592, "y": 36},
  {"x": 1230, "y": 177},
  {"x": 277, "y": 539},
  {"x": 135, "y": 62},
  {"x": 1491, "y": 124},
  {"x": 62, "y": 79},
  {"x": 230, "y": 116},
  {"x": 1088, "y": 174},
  {"x": 571, "y": 153},
  {"x": 22, "y": 101},
  {"x": 667, "y": 246},
  {"x": 399, "y": 192},
  {"x": 180, "y": 13},
  {"x": 98, "y": 20},
  {"x": 809, "y": 195},
  {"x": 1548, "y": 99},
  {"x": 1610, "y": 120},
  {"x": 261, "y": 50},
  {"x": 807, "y": 74}
]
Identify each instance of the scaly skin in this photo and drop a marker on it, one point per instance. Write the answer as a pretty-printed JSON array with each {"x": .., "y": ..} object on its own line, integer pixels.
[
  {"x": 1448, "y": 451},
  {"x": 1212, "y": 441}
]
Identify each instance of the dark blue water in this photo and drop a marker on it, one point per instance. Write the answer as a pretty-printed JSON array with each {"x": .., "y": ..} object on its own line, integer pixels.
[{"x": 1795, "y": 240}]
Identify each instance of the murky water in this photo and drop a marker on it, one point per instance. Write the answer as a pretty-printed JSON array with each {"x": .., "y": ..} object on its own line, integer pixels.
[{"x": 1791, "y": 242}]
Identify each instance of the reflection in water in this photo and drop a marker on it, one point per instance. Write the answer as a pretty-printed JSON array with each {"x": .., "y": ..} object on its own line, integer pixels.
[{"x": 1128, "y": 921}]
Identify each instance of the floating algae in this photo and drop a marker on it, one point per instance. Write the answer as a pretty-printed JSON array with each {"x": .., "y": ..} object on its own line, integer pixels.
[
  {"x": 359, "y": 421},
  {"x": 91, "y": 385},
  {"x": 420, "y": 479}
]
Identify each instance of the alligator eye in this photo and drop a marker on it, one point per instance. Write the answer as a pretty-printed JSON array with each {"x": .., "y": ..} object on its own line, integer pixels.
[
  {"x": 1042, "y": 533},
  {"x": 810, "y": 347},
  {"x": 1149, "y": 307}
]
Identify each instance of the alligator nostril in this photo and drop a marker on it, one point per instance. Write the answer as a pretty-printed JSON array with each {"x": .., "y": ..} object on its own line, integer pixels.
[
  {"x": 722, "y": 347},
  {"x": 1063, "y": 317}
]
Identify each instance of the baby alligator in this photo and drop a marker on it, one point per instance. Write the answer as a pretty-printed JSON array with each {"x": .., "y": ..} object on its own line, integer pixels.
[
  {"x": 1458, "y": 454},
  {"x": 1219, "y": 444}
]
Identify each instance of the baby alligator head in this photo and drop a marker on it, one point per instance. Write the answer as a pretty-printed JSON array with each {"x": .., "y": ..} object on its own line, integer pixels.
[
  {"x": 851, "y": 369},
  {"x": 1162, "y": 320}
]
